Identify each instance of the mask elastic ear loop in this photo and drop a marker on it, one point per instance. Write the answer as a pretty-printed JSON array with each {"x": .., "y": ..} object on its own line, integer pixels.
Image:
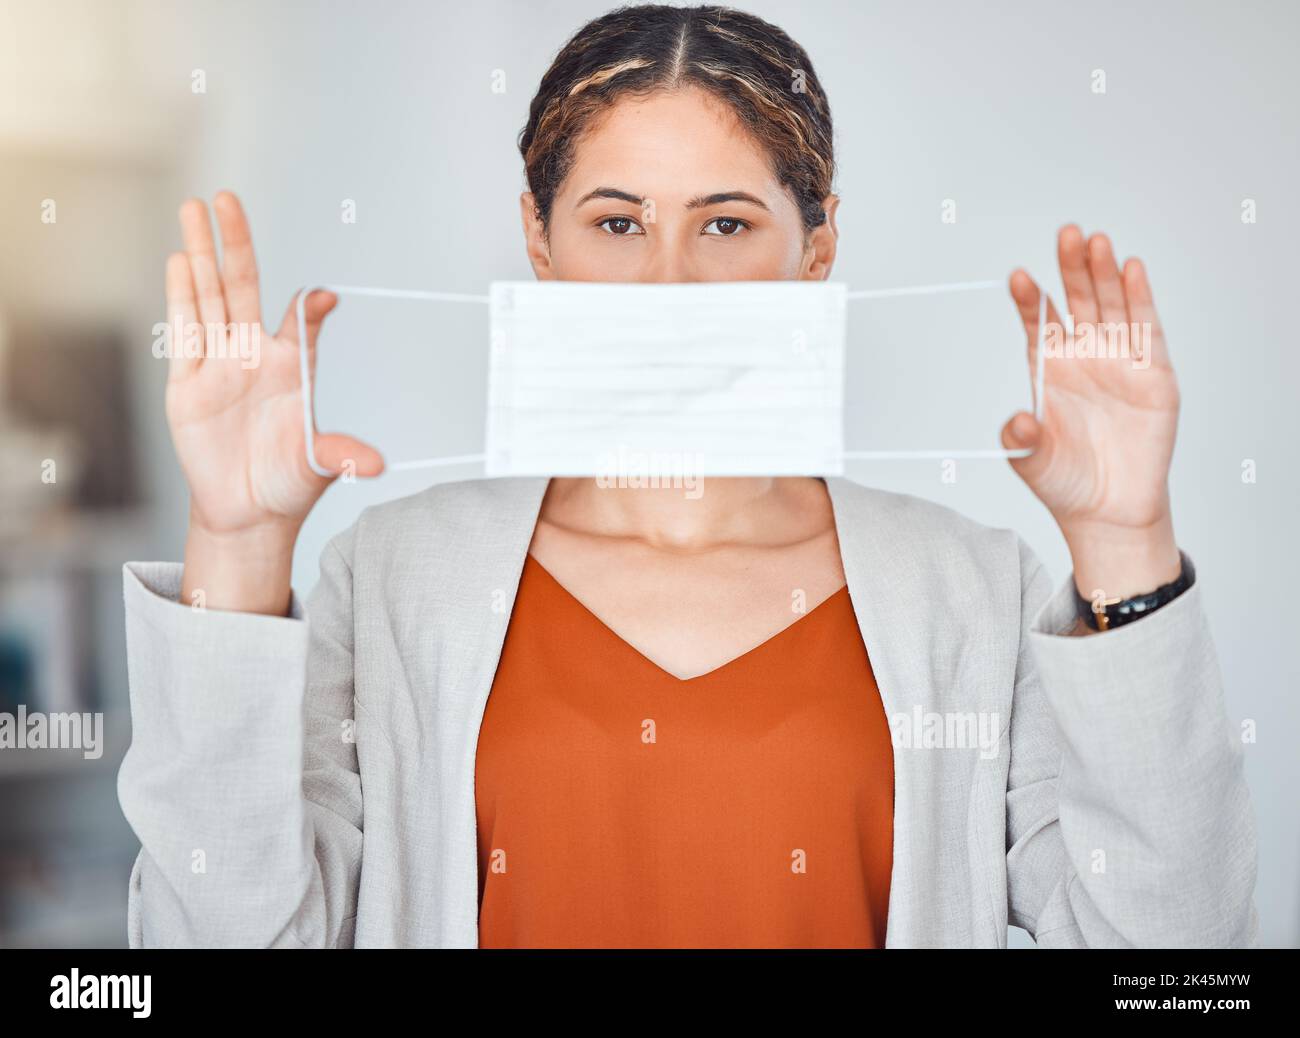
[
  {"x": 1039, "y": 354},
  {"x": 922, "y": 290},
  {"x": 304, "y": 368},
  {"x": 991, "y": 452}
]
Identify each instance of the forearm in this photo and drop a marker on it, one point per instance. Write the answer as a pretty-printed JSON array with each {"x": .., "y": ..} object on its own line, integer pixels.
[
  {"x": 246, "y": 801},
  {"x": 1146, "y": 792}
]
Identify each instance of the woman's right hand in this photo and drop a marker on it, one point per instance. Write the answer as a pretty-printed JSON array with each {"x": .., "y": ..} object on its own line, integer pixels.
[{"x": 236, "y": 421}]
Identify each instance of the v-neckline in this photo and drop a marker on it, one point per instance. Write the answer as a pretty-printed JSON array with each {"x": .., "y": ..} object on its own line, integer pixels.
[{"x": 627, "y": 646}]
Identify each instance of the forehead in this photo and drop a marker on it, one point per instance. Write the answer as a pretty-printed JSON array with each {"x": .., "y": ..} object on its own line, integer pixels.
[{"x": 670, "y": 144}]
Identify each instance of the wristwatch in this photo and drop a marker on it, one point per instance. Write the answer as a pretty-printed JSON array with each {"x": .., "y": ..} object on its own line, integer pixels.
[{"x": 1101, "y": 614}]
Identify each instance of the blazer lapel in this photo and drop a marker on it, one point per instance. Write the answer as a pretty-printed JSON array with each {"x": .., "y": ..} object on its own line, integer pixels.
[
  {"x": 895, "y": 578},
  {"x": 484, "y": 530}
]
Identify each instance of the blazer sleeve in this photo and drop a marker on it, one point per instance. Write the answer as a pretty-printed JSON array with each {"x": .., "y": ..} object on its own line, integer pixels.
[
  {"x": 241, "y": 780},
  {"x": 1129, "y": 822}
]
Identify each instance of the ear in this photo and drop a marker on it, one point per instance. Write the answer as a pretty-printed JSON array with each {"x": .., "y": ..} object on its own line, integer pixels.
[
  {"x": 535, "y": 244},
  {"x": 819, "y": 255}
]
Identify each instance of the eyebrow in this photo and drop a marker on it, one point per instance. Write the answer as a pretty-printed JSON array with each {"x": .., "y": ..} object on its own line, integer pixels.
[{"x": 699, "y": 202}]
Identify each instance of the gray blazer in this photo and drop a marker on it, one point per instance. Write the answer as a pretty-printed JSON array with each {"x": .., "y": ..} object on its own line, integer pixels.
[{"x": 309, "y": 780}]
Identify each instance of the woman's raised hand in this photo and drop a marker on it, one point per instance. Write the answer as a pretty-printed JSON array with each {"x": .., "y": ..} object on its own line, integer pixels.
[
  {"x": 235, "y": 414},
  {"x": 1101, "y": 454}
]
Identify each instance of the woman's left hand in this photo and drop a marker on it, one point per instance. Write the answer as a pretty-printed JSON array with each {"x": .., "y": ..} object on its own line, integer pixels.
[{"x": 1102, "y": 450}]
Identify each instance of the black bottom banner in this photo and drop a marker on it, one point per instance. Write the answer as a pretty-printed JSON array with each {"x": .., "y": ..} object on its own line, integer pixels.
[{"x": 614, "y": 988}]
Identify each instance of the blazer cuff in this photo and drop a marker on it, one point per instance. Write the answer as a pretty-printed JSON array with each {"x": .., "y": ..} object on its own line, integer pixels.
[
  {"x": 153, "y": 591},
  {"x": 1058, "y": 614},
  {"x": 1166, "y": 655}
]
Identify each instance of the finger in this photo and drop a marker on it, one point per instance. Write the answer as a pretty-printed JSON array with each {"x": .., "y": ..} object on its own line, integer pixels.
[
  {"x": 1105, "y": 280},
  {"x": 182, "y": 315},
  {"x": 1024, "y": 291},
  {"x": 317, "y": 304},
  {"x": 1141, "y": 310},
  {"x": 196, "y": 230},
  {"x": 344, "y": 455},
  {"x": 238, "y": 262},
  {"x": 1057, "y": 341},
  {"x": 1079, "y": 297},
  {"x": 1024, "y": 431}
]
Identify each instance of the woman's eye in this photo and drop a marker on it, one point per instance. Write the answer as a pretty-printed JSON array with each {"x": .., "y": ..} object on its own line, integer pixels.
[
  {"x": 727, "y": 226},
  {"x": 621, "y": 225}
]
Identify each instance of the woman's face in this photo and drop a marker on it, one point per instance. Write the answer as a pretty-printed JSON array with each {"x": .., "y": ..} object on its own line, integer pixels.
[{"x": 671, "y": 188}]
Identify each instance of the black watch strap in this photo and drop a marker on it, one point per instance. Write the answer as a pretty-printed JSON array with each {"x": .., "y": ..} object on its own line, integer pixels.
[{"x": 1102, "y": 614}]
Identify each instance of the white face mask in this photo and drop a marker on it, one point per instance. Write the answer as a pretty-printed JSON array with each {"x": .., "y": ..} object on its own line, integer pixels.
[{"x": 635, "y": 383}]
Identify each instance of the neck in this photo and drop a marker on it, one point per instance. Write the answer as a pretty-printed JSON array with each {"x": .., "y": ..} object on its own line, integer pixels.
[{"x": 734, "y": 510}]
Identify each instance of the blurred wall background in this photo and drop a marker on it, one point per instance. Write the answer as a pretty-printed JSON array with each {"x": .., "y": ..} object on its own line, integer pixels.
[{"x": 391, "y": 105}]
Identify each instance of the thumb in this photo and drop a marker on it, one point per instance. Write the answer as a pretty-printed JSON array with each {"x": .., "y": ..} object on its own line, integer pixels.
[
  {"x": 341, "y": 454},
  {"x": 315, "y": 307},
  {"x": 1025, "y": 432}
]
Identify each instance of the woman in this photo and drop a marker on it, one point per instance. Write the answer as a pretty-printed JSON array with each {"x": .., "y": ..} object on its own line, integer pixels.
[{"x": 541, "y": 712}]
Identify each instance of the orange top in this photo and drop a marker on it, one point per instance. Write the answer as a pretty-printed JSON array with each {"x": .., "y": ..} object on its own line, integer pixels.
[{"x": 620, "y": 806}]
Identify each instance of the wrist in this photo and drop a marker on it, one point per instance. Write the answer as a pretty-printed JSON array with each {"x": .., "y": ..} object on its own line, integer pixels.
[
  {"x": 1123, "y": 561},
  {"x": 245, "y": 571}
]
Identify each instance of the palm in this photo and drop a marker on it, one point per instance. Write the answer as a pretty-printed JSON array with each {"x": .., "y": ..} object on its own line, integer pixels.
[
  {"x": 236, "y": 421},
  {"x": 261, "y": 468},
  {"x": 1103, "y": 447}
]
